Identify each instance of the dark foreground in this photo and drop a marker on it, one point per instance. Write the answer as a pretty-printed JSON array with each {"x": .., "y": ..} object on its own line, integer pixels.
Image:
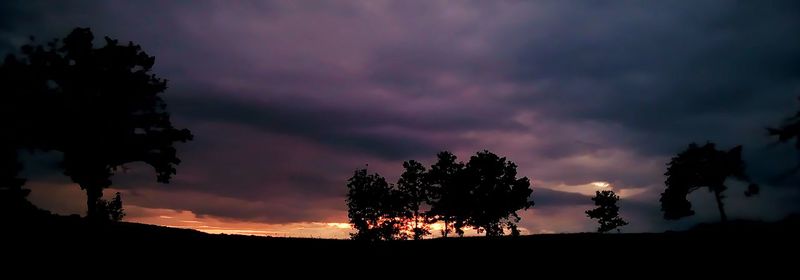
[{"x": 738, "y": 246}]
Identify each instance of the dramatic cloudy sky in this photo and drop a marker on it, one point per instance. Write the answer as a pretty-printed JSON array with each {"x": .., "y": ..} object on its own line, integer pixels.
[{"x": 287, "y": 98}]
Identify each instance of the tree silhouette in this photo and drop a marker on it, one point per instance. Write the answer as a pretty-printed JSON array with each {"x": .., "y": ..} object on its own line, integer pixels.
[
  {"x": 449, "y": 199},
  {"x": 496, "y": 193},
  {"x": 111, "y": 210},
  {"x": 12, "y": 195},
  {"x": 414, "y": 187},
  {"x": 105, "y": 109},
  {"x": 788, "y": 130},
  {"x": 14, "y": 204},
  {"x": 607, "y": 211},
  {"x": 485, "y": 194},
  {"x": 701, "y": 167},
  {"x": 374, "y": 208},
  {"x": 24, "y": 119}
]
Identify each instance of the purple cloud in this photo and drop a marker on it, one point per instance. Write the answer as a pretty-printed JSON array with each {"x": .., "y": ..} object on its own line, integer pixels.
[{"x": 287, "y": 98}]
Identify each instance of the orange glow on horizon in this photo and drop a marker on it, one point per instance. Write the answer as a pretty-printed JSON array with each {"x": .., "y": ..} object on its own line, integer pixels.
[{"x": 215, "y": 225}]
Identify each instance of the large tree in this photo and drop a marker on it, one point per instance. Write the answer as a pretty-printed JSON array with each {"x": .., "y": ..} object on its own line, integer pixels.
[
  {"x": 375, "y": 208},
  {"x": 449, "y": 198},
  {"x": 24, "y": 118},
  {"x": 701, "y": 167},
  {"x": 607, "y": 211},
  {"x": 415, "y": 189},
  {"x": 496, "y": 193},
  {"x": 104, "y": 109}
]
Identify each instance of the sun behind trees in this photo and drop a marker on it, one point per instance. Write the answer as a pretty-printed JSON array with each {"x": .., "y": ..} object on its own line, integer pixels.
[
  {"x": 484, "y": 193},
  {"x": 99, "y": 106}
]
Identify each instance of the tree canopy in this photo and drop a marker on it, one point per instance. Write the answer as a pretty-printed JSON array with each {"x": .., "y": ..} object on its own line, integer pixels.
[
  {"x": 607, "y": 211},
  {"x": 374, "y": 207},
  {"x": 701, "y": 167},
  {"x": 788, "y": 130},
  {"x": 449, "y": 198},
  {"x": 496, "y": 194},
  {"x": 100, "y": 106},
  {"x": 484, "y": 193},
  {"x": 414, "y": 187}
]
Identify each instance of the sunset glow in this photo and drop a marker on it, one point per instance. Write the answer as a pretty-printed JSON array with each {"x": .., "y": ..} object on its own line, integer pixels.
[
  {"x": 185, "y": 219},
  {"x": 286, "y": 99}
]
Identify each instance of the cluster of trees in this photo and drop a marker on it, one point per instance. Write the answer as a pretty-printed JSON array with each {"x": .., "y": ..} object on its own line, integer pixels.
[
  {"x": 483, "y": 193},
  {"x": 100, "y": 107}
]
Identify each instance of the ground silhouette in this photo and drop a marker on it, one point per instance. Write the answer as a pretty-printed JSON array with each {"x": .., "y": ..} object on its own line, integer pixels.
[{"x": 755, "y": 247}]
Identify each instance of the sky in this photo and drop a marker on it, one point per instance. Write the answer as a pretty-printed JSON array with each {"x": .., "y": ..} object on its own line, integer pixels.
[{"x": 287, "y": 98}]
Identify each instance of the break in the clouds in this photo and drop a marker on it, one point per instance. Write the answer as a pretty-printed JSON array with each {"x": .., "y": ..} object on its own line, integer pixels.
[{"x": 287, "y": 98}]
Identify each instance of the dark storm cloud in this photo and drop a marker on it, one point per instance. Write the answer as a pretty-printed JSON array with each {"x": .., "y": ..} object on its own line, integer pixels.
[
  {"x": 12, "y": 17},
  {"x": 667, "y": 72},
  {"x": 331, "y": 127},
  {"x": 354, "y": 129},
  {"x": 286, "y": 98}
]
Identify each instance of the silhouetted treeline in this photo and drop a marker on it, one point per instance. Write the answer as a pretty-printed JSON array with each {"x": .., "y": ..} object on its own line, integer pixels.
[
  {"x": 100, "y": 106},
  {"x": 484, "y": 194}
]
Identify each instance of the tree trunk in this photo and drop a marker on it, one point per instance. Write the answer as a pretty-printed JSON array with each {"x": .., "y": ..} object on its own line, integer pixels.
[
  {"x": 445, "y": 227},
  {"x": 722, "y": 216},
  {"x": 93, "y": 195},
  {"x": 416, "y": 225}
]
